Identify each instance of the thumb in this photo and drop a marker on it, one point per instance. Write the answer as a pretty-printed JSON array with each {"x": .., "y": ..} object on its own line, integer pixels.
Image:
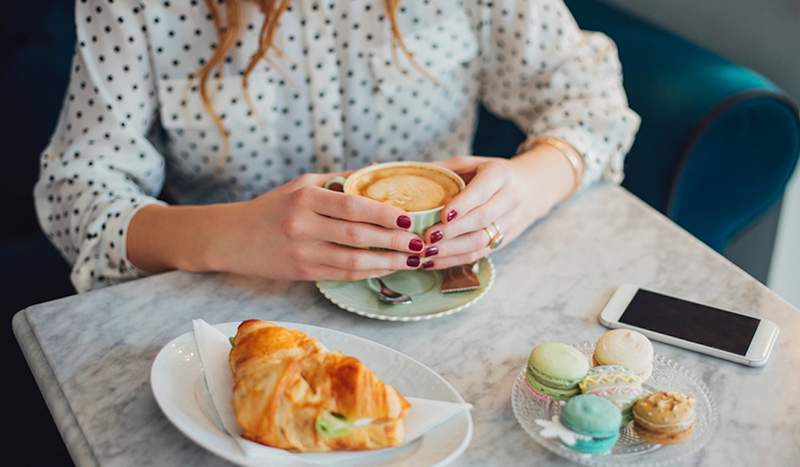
[{"x": 458, "y": 164}]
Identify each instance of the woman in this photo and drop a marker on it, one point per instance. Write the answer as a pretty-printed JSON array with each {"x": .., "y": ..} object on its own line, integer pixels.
[{"x": 261, "y": 101}]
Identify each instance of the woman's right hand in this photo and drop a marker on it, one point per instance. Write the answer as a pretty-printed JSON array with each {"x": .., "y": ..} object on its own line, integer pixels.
[{"x": 302, "y": 231}]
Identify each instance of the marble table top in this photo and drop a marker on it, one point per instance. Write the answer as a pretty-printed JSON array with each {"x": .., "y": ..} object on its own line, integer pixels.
[{"x": 91, "y": 353}]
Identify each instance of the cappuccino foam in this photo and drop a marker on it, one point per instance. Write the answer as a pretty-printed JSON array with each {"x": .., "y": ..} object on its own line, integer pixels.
[{"x": 408, "y": 188}]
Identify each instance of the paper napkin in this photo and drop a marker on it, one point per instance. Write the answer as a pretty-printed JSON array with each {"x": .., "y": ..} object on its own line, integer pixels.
[{"x": 213, "y": 348}]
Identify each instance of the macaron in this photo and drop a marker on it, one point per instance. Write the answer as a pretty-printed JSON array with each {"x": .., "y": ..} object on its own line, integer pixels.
[
  {"x": 627, "y": 348},
  {"x": 619, "y": 385},
  {"x": 555, "y": 369},
  {"x": 664, "y": 417},
  {"x": 595, "y": 419}
]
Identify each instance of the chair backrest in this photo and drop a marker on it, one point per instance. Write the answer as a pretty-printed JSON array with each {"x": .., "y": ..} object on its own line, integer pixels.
[
  {"x": 38, "y": 39},
  {"x": 718, "y": 142}
]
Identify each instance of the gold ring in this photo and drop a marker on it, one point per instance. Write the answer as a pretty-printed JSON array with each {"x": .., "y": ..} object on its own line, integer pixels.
[
  {"x": 495, "y": 236},
  {"x": 491, "y": 231}
]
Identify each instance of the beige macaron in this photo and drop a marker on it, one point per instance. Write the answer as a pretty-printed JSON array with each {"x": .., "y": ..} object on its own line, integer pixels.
[
  {"x": 627, "y": 348},
  {"x": 664, "y": 417}
]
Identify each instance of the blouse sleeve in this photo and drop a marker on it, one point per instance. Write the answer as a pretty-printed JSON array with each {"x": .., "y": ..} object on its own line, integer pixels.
[
  {"x": 552, "y": 79},
  {"x": 99, "y": 167}
]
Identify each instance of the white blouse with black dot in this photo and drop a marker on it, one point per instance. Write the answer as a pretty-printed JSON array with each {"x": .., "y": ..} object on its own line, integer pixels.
[{"x": 334, "y": 98}]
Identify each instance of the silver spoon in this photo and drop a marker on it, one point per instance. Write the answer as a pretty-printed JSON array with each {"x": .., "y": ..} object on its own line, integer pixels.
[{"x": 388, "y": 295}]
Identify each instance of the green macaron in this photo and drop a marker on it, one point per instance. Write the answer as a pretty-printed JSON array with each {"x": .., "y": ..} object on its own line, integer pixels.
[
  {"x": 594, "y": 417},
  {"x": 555, "y": 369}
]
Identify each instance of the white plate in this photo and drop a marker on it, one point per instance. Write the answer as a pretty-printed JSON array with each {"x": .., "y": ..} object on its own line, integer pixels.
[{"x": 178, "y": 386}]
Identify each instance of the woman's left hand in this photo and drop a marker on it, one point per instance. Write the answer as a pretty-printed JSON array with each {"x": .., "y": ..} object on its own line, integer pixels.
[{"x": 511, "y": 193}]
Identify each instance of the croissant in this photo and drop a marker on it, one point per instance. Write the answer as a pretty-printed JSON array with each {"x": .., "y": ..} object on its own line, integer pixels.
[{"x": 289, "y": 392}]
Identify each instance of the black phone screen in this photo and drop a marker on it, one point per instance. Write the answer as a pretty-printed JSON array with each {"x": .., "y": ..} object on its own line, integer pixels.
[{"x": 689, "y": 321}]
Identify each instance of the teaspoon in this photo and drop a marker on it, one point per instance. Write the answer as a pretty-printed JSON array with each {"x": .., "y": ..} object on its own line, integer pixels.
[{"x": 388, "y": 295}]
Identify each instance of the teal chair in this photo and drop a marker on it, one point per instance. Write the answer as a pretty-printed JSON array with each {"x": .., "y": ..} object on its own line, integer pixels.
[{"x": 717, "y": 144}]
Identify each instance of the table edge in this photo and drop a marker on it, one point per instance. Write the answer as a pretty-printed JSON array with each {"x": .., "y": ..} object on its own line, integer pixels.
[{"x": 60, "y": 411}]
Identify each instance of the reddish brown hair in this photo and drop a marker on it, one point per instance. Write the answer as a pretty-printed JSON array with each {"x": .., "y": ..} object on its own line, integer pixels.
[{"x": 272, "y": 11}]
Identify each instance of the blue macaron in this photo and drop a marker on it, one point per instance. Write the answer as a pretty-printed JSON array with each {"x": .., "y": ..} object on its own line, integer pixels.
[{"x": 594, "y": 417}]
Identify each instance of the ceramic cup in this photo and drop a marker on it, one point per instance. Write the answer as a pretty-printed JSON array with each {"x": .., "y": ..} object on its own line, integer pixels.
[{"x": 420, "y": 220}]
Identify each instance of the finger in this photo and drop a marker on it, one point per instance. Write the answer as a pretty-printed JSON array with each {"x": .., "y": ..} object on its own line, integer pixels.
[
  {"x": 316, "y": 179},
  {"x": 334, "y": 186},
  {"x": 476, "y": 220},
  {"x": 361, "y": 235},
  {"x": 357, "y": 259},
  {"x": 352, "y": 208},
  {"x": 448, "y": 257},
  {"x": 460, "y": 164},
  {"x": 460, "y": 245},
  {"x": 450, "y": 261},
  {"x": 328, "y": 273},
  {"x": 487, "y": 181}
]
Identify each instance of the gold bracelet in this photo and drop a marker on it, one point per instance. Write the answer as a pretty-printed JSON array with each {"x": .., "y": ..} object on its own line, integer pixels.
[{"x": 567, "y": 150}]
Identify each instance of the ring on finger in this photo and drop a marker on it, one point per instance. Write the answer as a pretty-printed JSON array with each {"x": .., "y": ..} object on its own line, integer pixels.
[
  {"x": 491, "y": 231},
  {"x": 495, "y": 236}
]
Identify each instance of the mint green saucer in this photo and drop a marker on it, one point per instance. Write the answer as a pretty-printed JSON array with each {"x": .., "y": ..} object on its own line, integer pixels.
[{"x": 423, "y": 286}]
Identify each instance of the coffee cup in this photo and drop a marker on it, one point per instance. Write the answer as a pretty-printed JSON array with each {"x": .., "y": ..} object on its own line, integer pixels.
[{"x": 421, "y": 189}]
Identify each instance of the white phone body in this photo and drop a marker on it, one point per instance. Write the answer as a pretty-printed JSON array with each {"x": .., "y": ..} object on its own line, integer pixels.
[{"x": 757, "y": 353}]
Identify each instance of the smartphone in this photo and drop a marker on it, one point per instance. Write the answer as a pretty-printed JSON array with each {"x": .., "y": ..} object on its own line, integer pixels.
[{"x": 723, "y": 334}]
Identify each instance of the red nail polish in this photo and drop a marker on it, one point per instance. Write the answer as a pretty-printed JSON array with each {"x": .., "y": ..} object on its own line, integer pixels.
[
  {"x": 431, "y": 251},
  {"x": 413, "y": 261},
  {"x": 404, "y": 222},
  {"x": 427, "y": 265},
  {"x": 436, "y": 236},
  {"x": 451, "y": 215},
  {"x": 416, "y": 245}
]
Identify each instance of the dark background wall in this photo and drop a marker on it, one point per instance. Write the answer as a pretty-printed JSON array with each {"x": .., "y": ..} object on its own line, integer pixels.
[{"x": 26, "y": 55}]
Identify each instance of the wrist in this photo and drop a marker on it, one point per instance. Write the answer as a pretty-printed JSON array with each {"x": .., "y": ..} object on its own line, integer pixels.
[
  {"x": 222, "y": 224},
  {"x": 188, "y": 238},
  {"x": 548, "y": 175}
]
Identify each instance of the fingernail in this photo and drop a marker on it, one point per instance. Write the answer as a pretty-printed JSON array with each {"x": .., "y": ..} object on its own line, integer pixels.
[
  {"x": 431, "y": 251},
  {"x": 416, "y": 245},
  {"x": 404, "y": 222},
  {"x": 436, "y": 236},
  {"x": 451, "y": 215},
  {"x": 427, "y": 265},
  {"x": 413, "y": 261}
]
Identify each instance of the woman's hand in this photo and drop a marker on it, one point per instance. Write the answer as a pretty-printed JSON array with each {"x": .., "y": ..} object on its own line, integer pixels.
[
  {"x": 298, "y": 231},
  {"x": 301, "y": 231},
  {"x": 512, "y": 193}
]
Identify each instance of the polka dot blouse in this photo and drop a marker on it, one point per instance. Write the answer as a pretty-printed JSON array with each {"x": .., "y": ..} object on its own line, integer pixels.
[{"x": 133, "y": 126}]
